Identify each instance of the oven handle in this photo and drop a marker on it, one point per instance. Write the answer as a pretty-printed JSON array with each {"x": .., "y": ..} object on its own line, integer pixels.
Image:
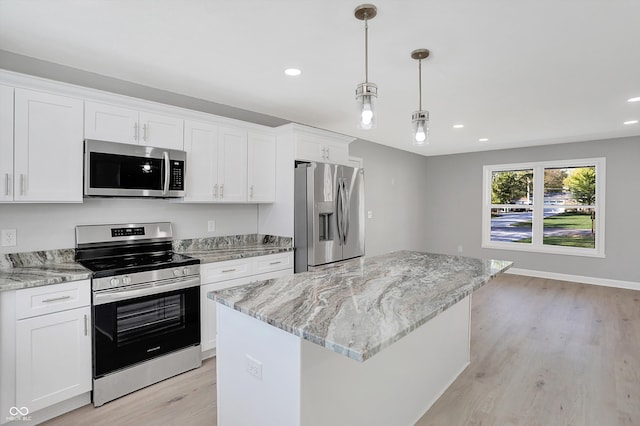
[{"x": 109, "y": 296}]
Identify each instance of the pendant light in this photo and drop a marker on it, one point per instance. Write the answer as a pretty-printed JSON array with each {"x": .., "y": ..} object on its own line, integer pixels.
[
  {"x": 420, "y": 118},
  {"x": 366, "y": 92}
]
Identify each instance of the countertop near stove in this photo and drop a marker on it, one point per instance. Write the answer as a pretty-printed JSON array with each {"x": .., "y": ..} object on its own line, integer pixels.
[
  {"x": 363, "y": 305},
  {"x": 37, "y": 268},
  {"x": 219, "y": 249}
]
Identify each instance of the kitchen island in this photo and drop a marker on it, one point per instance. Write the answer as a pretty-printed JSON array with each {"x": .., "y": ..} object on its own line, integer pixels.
[{"x": 370, "y": 341}]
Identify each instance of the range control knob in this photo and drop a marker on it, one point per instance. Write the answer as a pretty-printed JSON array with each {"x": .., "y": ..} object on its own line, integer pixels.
[
  {"x": 114, "y": 282},
  {"x": 126, "y": 280},
  {"x": 185, "y": 271},
  {"x": 176, "y": 272}
]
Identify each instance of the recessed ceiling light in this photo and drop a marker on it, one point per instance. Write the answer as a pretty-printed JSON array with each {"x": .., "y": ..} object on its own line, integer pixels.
[
  {"x": 293, "y": 72},
  {"x": 483, "y": 139},
  {"x": 636, "y": 99},
  {"x": 458, "y": 126},
  {"x": 631, "y": 122}
]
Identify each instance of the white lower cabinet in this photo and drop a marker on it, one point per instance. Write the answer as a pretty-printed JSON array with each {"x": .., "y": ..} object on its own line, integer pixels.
[
  {"x": 53, "y": 360},
  {"x": 221, "y": 275},
  {"x": 46, "y": 347}
]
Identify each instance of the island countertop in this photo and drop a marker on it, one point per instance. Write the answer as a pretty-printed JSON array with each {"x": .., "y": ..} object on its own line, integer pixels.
[{"x": 363, "y": 305}]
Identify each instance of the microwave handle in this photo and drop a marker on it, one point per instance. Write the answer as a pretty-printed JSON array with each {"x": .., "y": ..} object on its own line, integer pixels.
[{"x": 167, "y": 174}]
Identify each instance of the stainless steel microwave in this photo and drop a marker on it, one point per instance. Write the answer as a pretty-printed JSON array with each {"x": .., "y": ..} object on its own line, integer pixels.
[{"x": 122, "y": 170}]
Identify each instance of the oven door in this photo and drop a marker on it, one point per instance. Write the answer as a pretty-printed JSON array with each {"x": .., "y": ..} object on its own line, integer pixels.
[{"x": 127, "y": 331}]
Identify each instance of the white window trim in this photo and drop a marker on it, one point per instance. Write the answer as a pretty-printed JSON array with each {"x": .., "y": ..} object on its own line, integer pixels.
[{"x": 538, "y": 208}]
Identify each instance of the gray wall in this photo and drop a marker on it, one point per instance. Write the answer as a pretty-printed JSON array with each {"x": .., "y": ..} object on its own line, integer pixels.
[
  {"x": 396, "y": 194},
  {"x": 454, "y": 207}
]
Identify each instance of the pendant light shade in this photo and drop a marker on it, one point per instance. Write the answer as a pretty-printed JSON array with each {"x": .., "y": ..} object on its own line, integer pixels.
[
  {"x": 366, "y": 93},
  {"x": 420, "y": 118}
]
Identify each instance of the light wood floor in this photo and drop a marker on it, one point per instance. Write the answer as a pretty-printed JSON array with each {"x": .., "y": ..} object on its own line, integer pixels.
[{"x": 543, "y": 352}]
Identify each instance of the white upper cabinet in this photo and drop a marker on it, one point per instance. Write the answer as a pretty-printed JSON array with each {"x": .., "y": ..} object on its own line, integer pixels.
[
  {"x": 232, "y": 165},
  {"x": 201, "y": 145},
  {"x": 6, "y": 143},
  {"x": 110, "y": 123},
  {"x": 261, "y": 168},
  {"x": 125, "y": 125},
  {"x": 162, "y": 131},
  {"x": 311, "y": 144},
  {"x": 47, "y": 147},
  {"x": 228, "y": 164}
]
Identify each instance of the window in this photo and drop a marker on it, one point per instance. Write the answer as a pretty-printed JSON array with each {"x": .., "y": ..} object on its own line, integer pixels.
[{"x": 550, "y": 207}]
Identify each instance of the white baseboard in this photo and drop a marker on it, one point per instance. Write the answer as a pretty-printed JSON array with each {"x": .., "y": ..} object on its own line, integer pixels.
[{"x": 575, "y": 278}]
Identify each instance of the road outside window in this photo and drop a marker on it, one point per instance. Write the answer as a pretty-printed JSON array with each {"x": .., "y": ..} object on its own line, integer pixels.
[{"x": 554, "y": 207}]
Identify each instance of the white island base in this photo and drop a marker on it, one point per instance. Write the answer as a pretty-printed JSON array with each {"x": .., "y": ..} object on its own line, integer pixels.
[{"x": 267, "y": 376}]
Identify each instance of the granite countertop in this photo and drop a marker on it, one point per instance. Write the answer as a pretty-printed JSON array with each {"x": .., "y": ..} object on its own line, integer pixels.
[
  {"x": 219, "y": 249},
  {"x": 364, "y": 305},
  {"x": 37, "y": 268}
]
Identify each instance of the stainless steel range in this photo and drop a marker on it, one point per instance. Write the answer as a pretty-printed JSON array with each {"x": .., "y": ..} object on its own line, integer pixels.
[{"x": 146, "y": 306}]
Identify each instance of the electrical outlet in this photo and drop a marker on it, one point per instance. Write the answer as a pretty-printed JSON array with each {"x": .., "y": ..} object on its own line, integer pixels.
[
  {"x": 370, "y": 214},
  {"x": 9, "y": 237},
  {"x": 211, "y": 226},
  {"x": 459, "y": 249},
  {"x": 254, "y": 367}
]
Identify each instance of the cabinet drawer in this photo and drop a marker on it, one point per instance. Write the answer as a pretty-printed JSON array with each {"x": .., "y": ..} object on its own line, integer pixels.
[
  {"x": 221, "y": 271},
  {"x": 31, "y": 302},
  {"x": 273, "y": 262}
]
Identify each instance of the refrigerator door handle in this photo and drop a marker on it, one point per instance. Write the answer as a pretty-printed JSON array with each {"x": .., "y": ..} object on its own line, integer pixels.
[
  {"x": 345, "y": 206},
  {"x": 339, "y": 207}
]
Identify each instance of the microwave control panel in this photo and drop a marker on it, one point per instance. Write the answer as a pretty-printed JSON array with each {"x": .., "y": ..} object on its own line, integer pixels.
[{"x": 177, "y": 176}]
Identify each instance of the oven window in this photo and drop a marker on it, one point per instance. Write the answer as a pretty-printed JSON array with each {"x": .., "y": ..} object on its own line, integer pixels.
[
  {"x": 125, "y": 172},
  {"x": 130, "y": 331},
  {"x": 137, "y": 320}
]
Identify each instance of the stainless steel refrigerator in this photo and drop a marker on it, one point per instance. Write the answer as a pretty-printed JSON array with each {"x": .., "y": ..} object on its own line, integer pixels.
[{"x": 328, "y": 214}]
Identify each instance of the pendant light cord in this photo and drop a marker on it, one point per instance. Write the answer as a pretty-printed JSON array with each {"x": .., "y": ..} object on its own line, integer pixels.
[
  {"x": 420, "y": 83},
  {"x": 366, "y": 49}
]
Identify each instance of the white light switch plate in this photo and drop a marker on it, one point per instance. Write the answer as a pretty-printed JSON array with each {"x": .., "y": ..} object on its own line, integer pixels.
[{"x": 211, "y": 226}]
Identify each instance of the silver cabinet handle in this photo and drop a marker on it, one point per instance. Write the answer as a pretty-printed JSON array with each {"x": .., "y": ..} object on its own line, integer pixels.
[
  {"x": 23, "y": 190},
  {"x": 55, "y": 299},
  {"x": 6, "y": 184},
  {"x": 222, "y": 191},
  {"x": 167, "y": 172},
  {"x": 275, "y": 263},
  {"x": 86, "y": 328},
  {"x": 215, "y": 191},
  {"x": 145, "y": 130},
  {"x": 251, "y": 191},
  {"x": 224, "y": 271},
  {"x": 135, "y": 131}
]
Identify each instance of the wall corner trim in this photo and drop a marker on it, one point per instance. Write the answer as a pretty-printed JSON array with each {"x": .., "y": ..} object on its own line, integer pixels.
[{"x": 576, "y": 278}]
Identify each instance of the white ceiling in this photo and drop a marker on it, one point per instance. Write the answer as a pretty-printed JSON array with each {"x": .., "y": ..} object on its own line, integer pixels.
[{"x": 520, "y": 73}]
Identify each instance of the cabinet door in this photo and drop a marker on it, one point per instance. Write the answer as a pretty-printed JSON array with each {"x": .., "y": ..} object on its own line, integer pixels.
[
  {"x": 261, "y": 168},
  {"x": 201, "y": 144},
  {"x": 162, "y": 131},
  {"x": 232, "y": 163},
  {"x": 309, "y": 149},
  {"x": 53, "y": 358},
  {"x": 208, "y": 328},
  {"x": 6, "y": 143},
  {"x": 337, "y": 153},
  {"x": 110, "y": 123},
  {"x": 47, "y": 147}
]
